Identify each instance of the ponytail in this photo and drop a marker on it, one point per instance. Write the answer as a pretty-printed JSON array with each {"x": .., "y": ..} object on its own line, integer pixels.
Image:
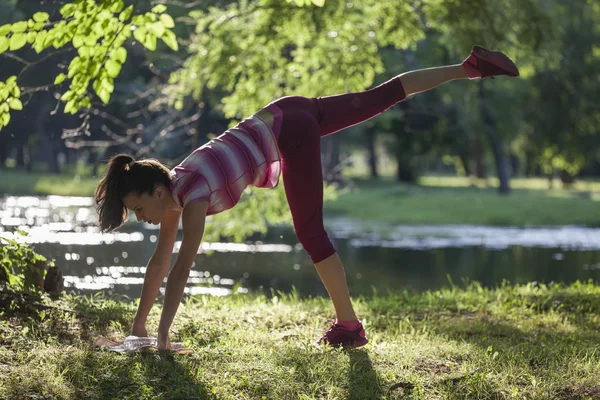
[{"x": 125, "y": 175}]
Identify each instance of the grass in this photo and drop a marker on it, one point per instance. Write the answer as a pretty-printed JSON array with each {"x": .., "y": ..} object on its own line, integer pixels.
[
  {"x": 511, "y": 342},
  {"x": 37, "y": 183},
  {"x": 449, "y": 200}
]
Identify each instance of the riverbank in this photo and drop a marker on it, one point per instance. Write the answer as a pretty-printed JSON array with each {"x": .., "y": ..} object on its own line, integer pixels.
[
  {"x": 21, "y": 183},
  {"x": 448, "y": 200},
  {"x": 437, "y": 200},
  {"x": 527, "y": 341}
]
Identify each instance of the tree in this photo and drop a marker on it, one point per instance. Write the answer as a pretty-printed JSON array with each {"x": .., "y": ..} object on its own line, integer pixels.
[
  {"x": 97, "y": 32},
  {"x": 562, "y": 101}
]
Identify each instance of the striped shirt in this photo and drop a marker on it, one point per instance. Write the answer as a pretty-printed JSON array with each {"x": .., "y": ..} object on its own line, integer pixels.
[{"x": 220, "y": 170}]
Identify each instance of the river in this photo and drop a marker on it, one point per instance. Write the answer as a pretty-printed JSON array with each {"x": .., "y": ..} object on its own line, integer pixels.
[{"x": 377, "y": 256}]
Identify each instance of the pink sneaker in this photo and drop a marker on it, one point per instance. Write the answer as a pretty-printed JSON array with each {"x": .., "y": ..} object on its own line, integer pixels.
[
  {"x": 482, "y": 63},
  {"x": 337, "y": 336}
]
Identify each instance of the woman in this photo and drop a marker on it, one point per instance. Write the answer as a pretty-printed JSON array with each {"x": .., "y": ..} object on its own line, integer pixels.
[{"x": 282, "y": 138}]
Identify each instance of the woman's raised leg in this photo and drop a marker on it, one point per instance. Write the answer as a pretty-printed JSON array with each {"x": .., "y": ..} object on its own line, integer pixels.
[{"x": 342, "y": 111}]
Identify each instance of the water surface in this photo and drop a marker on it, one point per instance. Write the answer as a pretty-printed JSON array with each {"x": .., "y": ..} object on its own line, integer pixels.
[{"x": 377, "y": 256}]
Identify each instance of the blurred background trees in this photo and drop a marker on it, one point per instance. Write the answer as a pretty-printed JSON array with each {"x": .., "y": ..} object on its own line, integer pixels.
[{"x": 234, "y": 57}]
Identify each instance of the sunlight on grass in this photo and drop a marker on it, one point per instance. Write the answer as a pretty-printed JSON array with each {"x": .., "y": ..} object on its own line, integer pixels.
[
  {"x": 515, "y": 183},
  {"x": 399, "y": 203},
  {"x": 523, "y": 341},
  {"x": 20, "y": 182}
]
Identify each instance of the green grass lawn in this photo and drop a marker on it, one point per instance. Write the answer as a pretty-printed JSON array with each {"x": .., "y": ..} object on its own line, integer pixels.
[
  {"x": 23, "y": 183},
  {"x": 448, "y": 200},
  {"x": 512, "y": 342}
]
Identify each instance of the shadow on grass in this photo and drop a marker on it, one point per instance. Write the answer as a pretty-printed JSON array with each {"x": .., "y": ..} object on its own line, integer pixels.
[
  {"x": 155, "y": 375},
  {"x": 363, "y": 382},
  {"x": 540, "y": 349}
]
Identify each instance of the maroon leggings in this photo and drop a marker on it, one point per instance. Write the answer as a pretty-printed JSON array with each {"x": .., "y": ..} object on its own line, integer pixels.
[{"x": 303, "y": 124}]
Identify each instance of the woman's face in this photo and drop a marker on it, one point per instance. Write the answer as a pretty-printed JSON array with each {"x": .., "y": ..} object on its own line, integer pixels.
[{"x": 148, "y": 208}]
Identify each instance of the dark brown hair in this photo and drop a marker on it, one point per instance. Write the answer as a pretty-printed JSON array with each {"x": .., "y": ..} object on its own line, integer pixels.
[{"x": 123, "y": 176}]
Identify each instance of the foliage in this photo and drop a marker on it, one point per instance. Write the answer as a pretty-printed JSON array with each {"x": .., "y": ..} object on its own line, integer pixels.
[
  {"x": 258, "y": 51},
  {"x": 562, "y": 110},
  {"x": 97, "y": 31},
  {"x": 21, "y": 267},
  {"x": 257, "y": 209}
]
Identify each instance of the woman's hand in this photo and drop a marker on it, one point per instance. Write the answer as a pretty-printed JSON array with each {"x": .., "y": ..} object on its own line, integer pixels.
[
  {"x": 139, "y": 330},
  {"x": 163, "y": 342}
]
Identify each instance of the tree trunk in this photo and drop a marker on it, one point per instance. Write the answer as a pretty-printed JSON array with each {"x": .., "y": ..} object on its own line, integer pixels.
[
  {"x": 479, "y": 165},
  {"x": 29, "y": 160},
  {"x": 20, "y": 159},
  {"x": 528, "y": 170},
  {"x": 464, "y": 160},
  {"x": 405, "y": 172},
  {"x": 372, "y": 155},
  {"x": 3, "y": 153},
  {"x": 495, "y": 141}
]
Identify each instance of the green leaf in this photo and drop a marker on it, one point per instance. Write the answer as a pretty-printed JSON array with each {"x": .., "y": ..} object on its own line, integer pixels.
[
  {"x": 119, "y": 55},
  {"x": 19, "y": 27},
  {"x": 103, "y": 15},
  {"x": 4, "y": 29},
  {"x": 67, "y": 10},
  {"x": 41, "y": 16},
  {"x": 83, "y": 51},
  {"x": 150, "y": 42},
  {"x": 157, "y": 29},
  {"x": 167, "y": 21},
  {"x": 5, "y": 118},
  {"x": 319, "y": 3},
  {"x": 17, "y": 41},
  {"x": 31, "y": 37},
  {"x": 66, "y": 95},
  {"x": 4, "y": 43},
  {"x": 90, "y": 40},
  {"x": 140, "y": 35},
  {"x": 126, "y": 14},
  {"x": 60, "y": 78},
  {"x": 104, "y": 95},
  {"x": 170, "y": 39},
  {"x": 16, "y": 91},
  {"x": 117, "y": 6},
  {"x": 108, "y": 85},
  {"x": 113, "y": 68},
  {"x": 159, "y": 8},
  {"x": 15, "y": 104},
  {"x": 11, "y": 81},
  {"x": 69, "y": 106},
  {"x": 77, "y": 41},
  {"x": 14, "y": 280}
]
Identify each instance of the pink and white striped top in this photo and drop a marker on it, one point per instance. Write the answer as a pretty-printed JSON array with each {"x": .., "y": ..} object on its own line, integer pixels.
[{"x": 220, "y": 170}]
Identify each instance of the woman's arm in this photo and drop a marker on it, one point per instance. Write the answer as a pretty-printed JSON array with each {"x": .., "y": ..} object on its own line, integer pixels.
[
  {"x": 193, "y": 219},
  {"x": 157, "y": 269}
]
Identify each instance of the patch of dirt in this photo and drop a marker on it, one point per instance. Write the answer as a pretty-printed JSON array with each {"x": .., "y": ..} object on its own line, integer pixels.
[
  {"x": 435, "y": 367},
  {"x": 580, "y": 392}
]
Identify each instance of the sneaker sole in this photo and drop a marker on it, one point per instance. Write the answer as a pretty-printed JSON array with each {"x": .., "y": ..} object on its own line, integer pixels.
[
  {"x": 354, "y": 345},
  {"x": 496, "y": 58}
]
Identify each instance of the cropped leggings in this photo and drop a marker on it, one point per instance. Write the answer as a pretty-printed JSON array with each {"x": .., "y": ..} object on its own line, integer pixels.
[{"x": 303, "y": 122}]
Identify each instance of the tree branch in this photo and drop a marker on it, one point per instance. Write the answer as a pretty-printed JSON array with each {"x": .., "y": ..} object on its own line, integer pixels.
[
  {"x": 19, "y": 59},
  {"x": 179, "y": 3},
  {"x": 36, "y": 62}
]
